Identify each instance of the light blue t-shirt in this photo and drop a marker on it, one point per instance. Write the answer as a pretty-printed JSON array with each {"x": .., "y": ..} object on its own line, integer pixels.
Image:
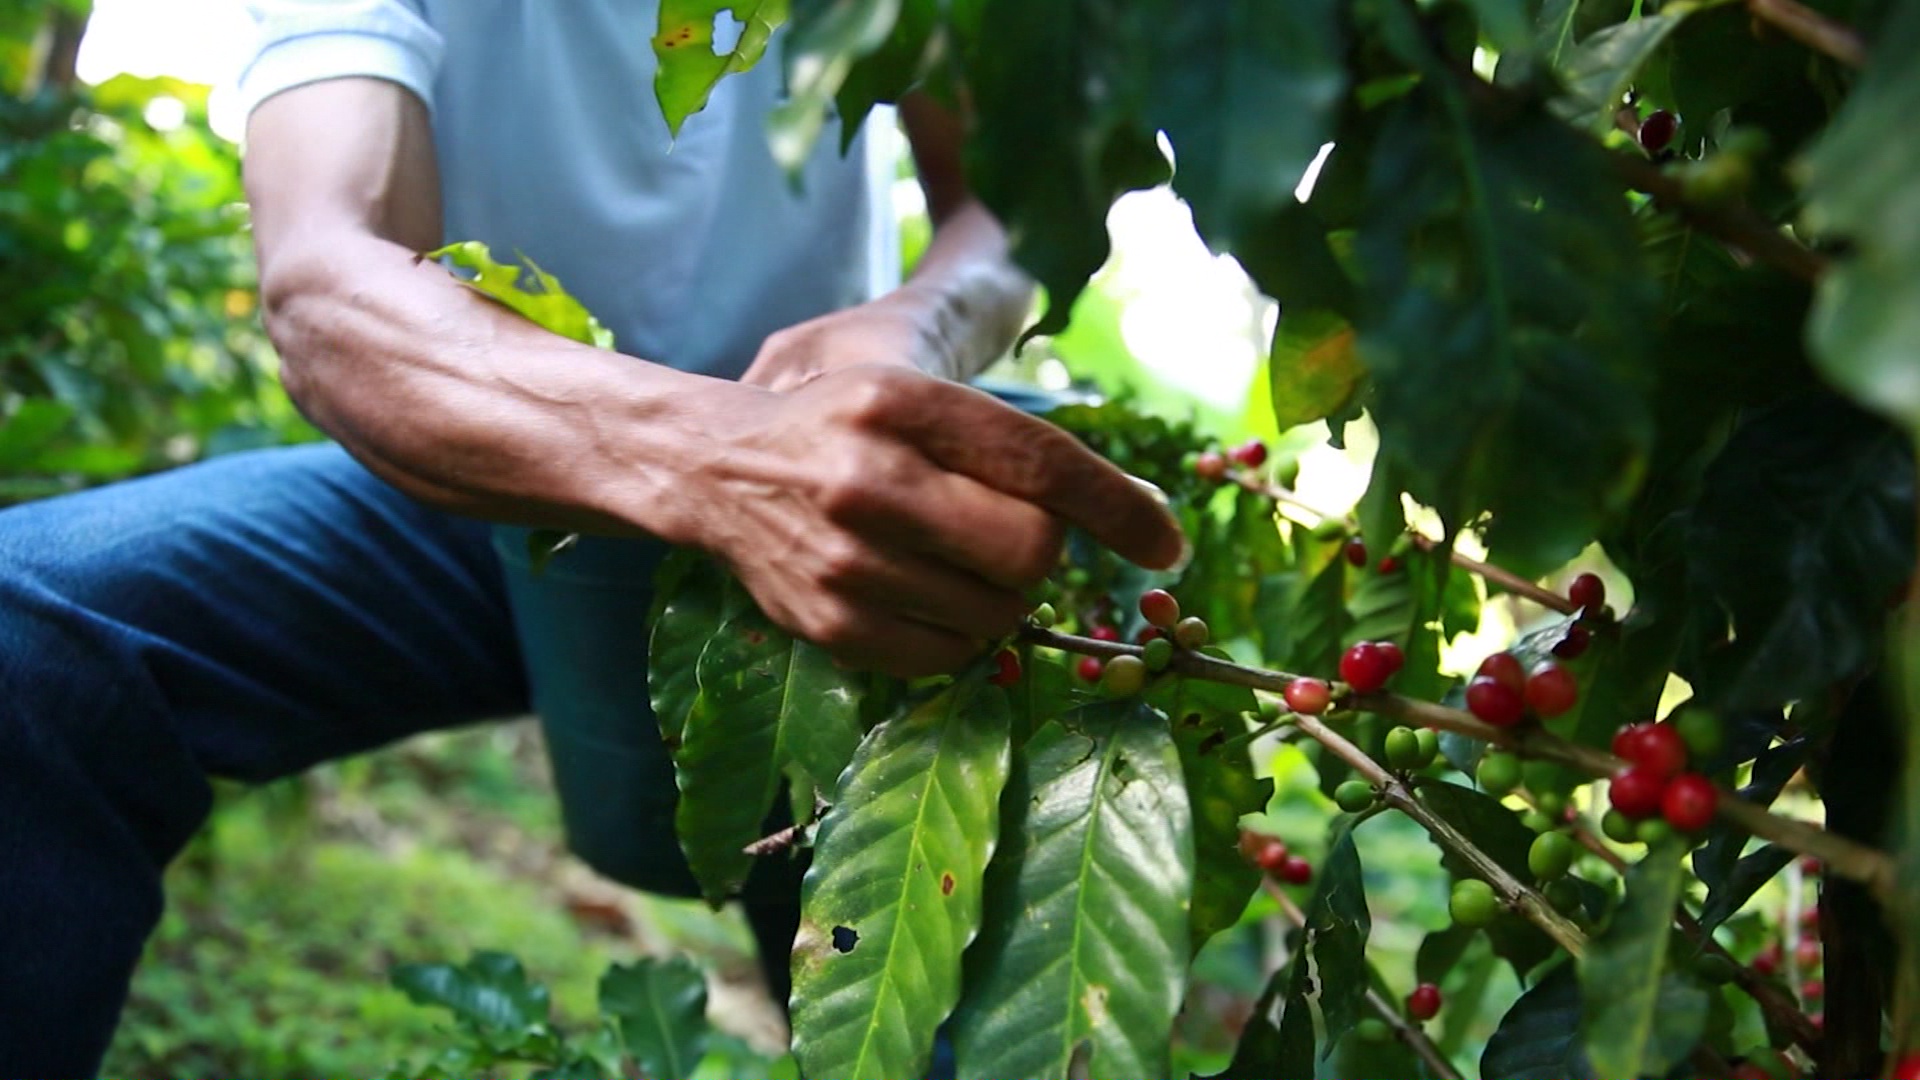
[{"x": 550, "y": 143}]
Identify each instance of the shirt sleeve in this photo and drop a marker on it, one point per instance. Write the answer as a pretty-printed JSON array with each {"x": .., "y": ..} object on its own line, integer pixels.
[{"x": 308, "y": 41}]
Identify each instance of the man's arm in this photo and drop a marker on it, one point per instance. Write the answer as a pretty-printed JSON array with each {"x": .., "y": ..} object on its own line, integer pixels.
[
  {"x": 888, "y": 515},
  {"x": 958, "y": 312}
]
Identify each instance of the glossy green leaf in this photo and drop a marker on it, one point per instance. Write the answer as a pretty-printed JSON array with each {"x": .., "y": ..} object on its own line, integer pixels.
[
  {"x": 894, "y": 893},
  {"x": 1324, "y": 985},
  {"x": 683, "y": 46},
  {"x": 1221, "y": 789},
  {"x": 1313, "y": 368},
  {"x": 1539, "y": 1037},
  {"x": 1479, "y": 326},
  {"x": 1866, "y": 322},
  {"x": 1247, "y": 120},
  {"x": 660, "y": 1010},
  {"x": 897, "y": 66},
  {"x": 1634, "y": 1021},
  {"x": 490, "y": 992},
  {"x": 1599, "y": 72},
  {"x": 549, "y": 306},
  {"x": 692, "y": 598},
  {"x": 765, "y": 700},
  {"x": 1747, "y": 877},
  {"x": 1085, "y": 941},
  {"x": 825, "y": 40},
  {"x": 1808, "y": 604}
]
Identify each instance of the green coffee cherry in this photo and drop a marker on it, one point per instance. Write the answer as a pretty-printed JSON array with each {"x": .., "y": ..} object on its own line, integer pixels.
[
  {"x": 1553, "y": 804},
  {"x": 1269, "y": 709},
  {"x": 1157, "y": 653},
  {"x": 1402, "y": 749},
  {"x": 1473, "y": 903},
  {"x": 1551, "y": 856},
  {"x": 1373, "y": 1030},
  {"x": 1564, "y": 895},
  {"x": 1354, "y": 796},
  {"x": 1713, "y": 968},
  {"x": 1044, "y": 616},
  {"x": 1191, "y": 632},
  {"x": 1498, "y": 773},
  {"x": 1429, "y": 741},
  {"x": 1123, "y": 676},
  {"x": 1619, "y": 828},
  {"x": 1701, "y": 730},
  {"x": 1537, "y": 821},
  {"x": 1653, "y": 830}
]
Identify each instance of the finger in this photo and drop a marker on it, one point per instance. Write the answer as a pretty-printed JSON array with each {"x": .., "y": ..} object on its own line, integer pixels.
[
  {"x": 972, "y": 433},
  {"x": 904, "y": 648},
  {"x": 934, "y": 593},
  {"x": 963, "y": 523}
]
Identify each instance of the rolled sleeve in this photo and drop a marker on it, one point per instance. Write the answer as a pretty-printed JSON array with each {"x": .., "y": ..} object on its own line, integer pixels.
[{"x": 308, "y": 41}]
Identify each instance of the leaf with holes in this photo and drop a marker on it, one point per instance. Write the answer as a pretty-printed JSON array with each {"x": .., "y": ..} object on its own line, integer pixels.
[
  {"x": 1247, "y": 122},
  {"x": 1085, "y": 938},
  {"x": 660, "y": 1009},
  {"x": 765, "y": 699},
  {"x": 894, "y": 893},
  {"x": 550, "y": 307},
  {"x": 689, "y": 67}
]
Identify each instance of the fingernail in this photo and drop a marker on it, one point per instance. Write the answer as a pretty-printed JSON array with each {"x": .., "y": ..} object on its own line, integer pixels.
[
  {"x": 1186, "y": 556},
  {"x": 1153, "y": 490}
]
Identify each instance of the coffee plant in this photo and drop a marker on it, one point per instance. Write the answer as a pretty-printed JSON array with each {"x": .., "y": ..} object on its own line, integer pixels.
[{"x": 1634, "y": 273}]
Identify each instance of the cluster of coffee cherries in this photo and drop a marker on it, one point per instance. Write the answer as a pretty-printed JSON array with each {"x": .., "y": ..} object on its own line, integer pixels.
[
  {"x": 1270, "y": 854},
  {"x": 1655, "y": 782},
  {"x": 1212, "y": 465},
  {"x": 1165, "y": 633}
]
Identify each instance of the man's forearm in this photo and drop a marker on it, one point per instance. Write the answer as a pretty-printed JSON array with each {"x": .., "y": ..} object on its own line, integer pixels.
[
  {"x": 973, "y": 301},
  {"x": 470, "y": 408}
]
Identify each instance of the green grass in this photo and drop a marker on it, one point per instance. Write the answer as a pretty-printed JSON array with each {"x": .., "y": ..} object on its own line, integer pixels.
[{"x": 285, "y": 915}]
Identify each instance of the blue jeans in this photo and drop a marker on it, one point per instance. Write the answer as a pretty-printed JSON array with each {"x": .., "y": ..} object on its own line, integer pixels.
[
  {"x": 248, "y": 618},
  {"x": 258, "y": 614}
]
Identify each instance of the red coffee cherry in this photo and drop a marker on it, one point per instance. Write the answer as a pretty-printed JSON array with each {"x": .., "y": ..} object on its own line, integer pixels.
[
  {"x": 1104, "y": 632},
  {"x": 1767, "y": 961},
  {"x": 1908, "y": 1068},
  {"x": 1253, "y": 844},
  {"x": 1657, "y": 747},
  {"x": 1551, "y": 690},
  {"x": 1159, "y": 608},
  {"x": 1309, "y": 696},
  {"x": 1393, "y": 654},
  {"x": 1495, "y": 702},
  {"x": 1657, "y": 130},
  {"x": 1636, "y": 791},
  {"x": 1366, "y": 668},
  {"x": 1424, "y": 1003},
  {"x": 1006, "y": 668},
  {"x": 1588, "y": 593},
  {"x": 1252, "y": 453},
  {"x": 1504, "y": 667},
  {"x": 1389, "y": 565},
  {"x": 1807, "y": 952},
  {"x": 1089, "y": 668},
  {"x": 1273, "y": 857},
  {"x": 1356, "y": 552},
  {"x": 1689, "y": 802},
  {"x": 1211, "y": 465},
  {"x": 1295, "y": 871},
  {"x": 1813, "y": 990}
]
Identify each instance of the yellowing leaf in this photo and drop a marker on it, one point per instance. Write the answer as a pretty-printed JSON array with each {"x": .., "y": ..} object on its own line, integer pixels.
[
  {"x": 689, "y": 68},
  {"x": 1314, "y": 367},
  {"x": 550, "y": 308}
]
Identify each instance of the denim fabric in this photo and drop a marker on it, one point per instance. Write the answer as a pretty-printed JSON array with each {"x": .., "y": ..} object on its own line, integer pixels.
[{"x": 253, "y": 616}]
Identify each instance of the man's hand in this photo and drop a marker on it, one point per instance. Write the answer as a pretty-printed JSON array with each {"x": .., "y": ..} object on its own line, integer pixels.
[
  {"x": 895, "y": 518},
  {"x": 892, "y": 331}
]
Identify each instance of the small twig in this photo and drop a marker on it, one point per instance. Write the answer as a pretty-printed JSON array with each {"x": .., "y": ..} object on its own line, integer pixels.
[
  {"x": 775, "y": 843},
  {"x": 1413, "y": 1035},
  {"x": 1518, "y": 895},
  {"x": 1773, "y": 1001},
  {"x": 1736, "y": 226},
  {"x": 1506, "y": 579},
  {"x": 1843, "y": 856},
  {"x": 1812, "y": 29}
]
